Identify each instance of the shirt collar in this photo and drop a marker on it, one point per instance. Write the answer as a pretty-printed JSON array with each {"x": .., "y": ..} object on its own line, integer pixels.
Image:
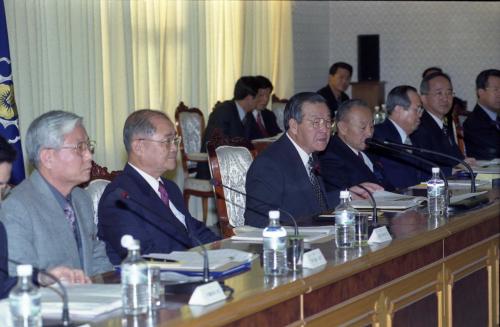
[
  {"x": 154, "y": 183},
  {"x": 241, "y": 111},
  {"x": 493, "y": 115},
  {"x": 303, "y": 155},
  {"x": 61, "y": 200},
  {"x": 436, "y": 119},
  {"x": 401, "y": 131}
]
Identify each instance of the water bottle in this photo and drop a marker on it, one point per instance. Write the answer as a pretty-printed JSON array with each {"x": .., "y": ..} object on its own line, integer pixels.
[
  {"x": 274, "y": 235},
  {"x": 345, "y": 222},
  {"x": 436, "y": 194},
  {"x": 24, "y": 300},
  {"x": 134, "y": 276}
]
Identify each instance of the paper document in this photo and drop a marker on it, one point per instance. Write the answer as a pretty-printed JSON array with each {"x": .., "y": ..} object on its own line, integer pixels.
[
  {"x": 254, "y": 235},
  {"x": 193, "y": 261},
  {"x": 85, "y": 301},
  {"x": 456, "y": 184},
  {"x": 390, "y": 201}
]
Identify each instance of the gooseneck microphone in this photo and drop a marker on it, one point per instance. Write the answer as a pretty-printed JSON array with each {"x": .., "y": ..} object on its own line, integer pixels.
[
  {"x": 65, "y": 321},
  {"x": 215, "y": 182},
  {"x": 374, "y": 204},
  {"x": 439, "y": 154},
  {"x": 379, "y": 144}
]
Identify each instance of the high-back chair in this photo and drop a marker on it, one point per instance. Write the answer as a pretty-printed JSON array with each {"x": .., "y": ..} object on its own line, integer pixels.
[
  {"x": 278, "y": 108},
  {"x": 229, "y": 160},
  {"x": 190, "y": 126}
]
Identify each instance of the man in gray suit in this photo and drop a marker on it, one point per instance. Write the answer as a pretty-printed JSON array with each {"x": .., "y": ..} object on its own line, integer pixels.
[{"x": 49, "y": 220}]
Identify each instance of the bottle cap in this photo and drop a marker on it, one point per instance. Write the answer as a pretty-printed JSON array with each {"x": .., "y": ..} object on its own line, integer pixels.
[
  {"x": 126, "y": 240},
  {"x": 274, "y": 214},
  {"x": 344, "y": 194},
  {"x": 24, "y": 270},
  {"x": 435, "y": 170}
]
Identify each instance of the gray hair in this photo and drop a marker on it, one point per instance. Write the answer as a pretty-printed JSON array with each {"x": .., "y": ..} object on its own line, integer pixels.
[
  {"x": 139, "y": 123},
  {"x": 398, "y": 96},
  {"x": 48, "y": 131},
  {"x": 293, "y": 108},
  {"x": 346, "y": 107}
]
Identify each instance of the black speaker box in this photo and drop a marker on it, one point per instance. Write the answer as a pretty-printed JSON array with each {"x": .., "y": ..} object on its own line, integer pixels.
[{"x": 368, "y": 58}]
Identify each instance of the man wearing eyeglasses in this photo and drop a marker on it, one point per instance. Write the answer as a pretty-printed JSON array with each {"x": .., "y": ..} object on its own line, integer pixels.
[
  {"x": 435, "y": 132},
  {"x": 286, "y": 175},
  {"x": 482, "y": 127},
  {"x": 344, "y": 162},
  {"x": 48, "y": 218},
  {"x": 404, "y": 109},
  {"x": 140, "y": 202}
]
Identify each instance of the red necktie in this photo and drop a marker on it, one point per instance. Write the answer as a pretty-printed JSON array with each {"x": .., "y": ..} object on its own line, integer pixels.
[
  {"x": 163, "y": 194},
  {"x": 260, "y": 123}
]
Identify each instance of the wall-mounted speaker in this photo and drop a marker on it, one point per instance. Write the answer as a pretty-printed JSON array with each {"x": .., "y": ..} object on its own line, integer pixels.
[{"x": 368, "y": 58}]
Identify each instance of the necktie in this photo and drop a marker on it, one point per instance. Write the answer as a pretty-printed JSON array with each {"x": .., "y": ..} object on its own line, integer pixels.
[
  {"x": 316, "y": 187},
  {"x": 498, "y": 121},
  {"x": 163, "y": 194},
  {"x": 360, "y": 156},
  {"x": 70, "y": 216},
  {"x": 445, "y": 130},
  {"x": 260, "y": 123}
]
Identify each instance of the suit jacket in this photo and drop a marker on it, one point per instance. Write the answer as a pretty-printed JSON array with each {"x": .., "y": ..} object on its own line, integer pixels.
[
  {"x": 146, "y": 218},
  {"x": 331, "y": 101},
  {"x": 399, "y": 170},
  {"x": 482, "y": 135},
  {"x": 6, "y": 282},
  {"x": 277, "y": 179},
  {"x": 226, "y": 118},
  {"x": 269, "y": 119},
  {"x": 341, "y": 168},
  {"x": 39, "y": 233},
  {"x": 430, "y": 136}
]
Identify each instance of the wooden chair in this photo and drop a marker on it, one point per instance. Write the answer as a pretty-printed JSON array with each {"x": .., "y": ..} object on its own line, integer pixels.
[
  {"x": 229, "y": 160},
  {"x": 190, "y": 125},
  {"x": 100, "y": 177},
  {"x": 459, "y": 113},
  {"x": 278, "y": 107}
]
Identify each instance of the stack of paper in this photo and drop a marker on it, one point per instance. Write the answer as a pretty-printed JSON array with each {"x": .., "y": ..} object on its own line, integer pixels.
[
  {"x": 254, "y": 235},
  {"x": 390, "y": 201},
  {"x": 85, "y": 301}
]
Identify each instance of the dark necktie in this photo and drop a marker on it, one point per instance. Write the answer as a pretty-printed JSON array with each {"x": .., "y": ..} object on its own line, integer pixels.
[
  {"x": 260, "y": 123},
  {"x": 445, "y": 130},
  {"x": 316, "y": 187},
  {"x": 163, "y": 194},
  {"x": 360, "y": 156},
  {"x": 70, "y": 216}
]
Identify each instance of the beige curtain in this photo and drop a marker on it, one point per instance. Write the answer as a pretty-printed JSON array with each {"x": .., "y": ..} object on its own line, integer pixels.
[{"x": 105, "y": 59}]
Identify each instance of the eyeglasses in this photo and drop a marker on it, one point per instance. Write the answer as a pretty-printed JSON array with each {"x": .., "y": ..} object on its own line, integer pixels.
[
  {"x": 167, "y": 142},
  {"x": 318, "y": 123},
  {"x": 81, "y": 147},
  {"x": 419, "y": 110},
  {"x": 441, "y": 94}
]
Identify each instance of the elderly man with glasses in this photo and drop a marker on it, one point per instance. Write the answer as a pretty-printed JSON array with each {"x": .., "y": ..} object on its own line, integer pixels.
[
  {"x": 142, "y": 203},
  {"x": 435, "y": 131},
  {"x": 48, "y": 218}
]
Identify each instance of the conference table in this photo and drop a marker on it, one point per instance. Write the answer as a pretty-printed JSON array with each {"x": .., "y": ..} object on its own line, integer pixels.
[{"x": 435, "y": 272}]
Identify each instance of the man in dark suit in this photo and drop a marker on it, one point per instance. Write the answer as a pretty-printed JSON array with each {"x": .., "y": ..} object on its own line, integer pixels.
[
  {"x": 338, "y": 82},
  {"x": 435, "y": 132},
  {"x": 140, "y": 202},
  {"x": 233, "y": 118},
  {"x": 286, "y": 175},
  {"x": 482, "y": 127},
  {"x": 265, "y": 118},
  {"x": 344, "y": 163},
  {"x": 404, "y": 109}
]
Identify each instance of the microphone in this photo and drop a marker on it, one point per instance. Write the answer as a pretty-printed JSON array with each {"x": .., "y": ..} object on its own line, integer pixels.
[
  {"x": 439, "y": 154},
  {"x": 215, "y": 182},
  {"x": 374, "y": 204},
  {"x": 379, "y": 144},
  {"x": 65, "y": 309}
]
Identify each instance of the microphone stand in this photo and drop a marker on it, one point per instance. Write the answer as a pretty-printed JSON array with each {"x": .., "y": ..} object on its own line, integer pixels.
[
  {"x": 422, "y": 150},
  {"x": 374, "y": 204}
]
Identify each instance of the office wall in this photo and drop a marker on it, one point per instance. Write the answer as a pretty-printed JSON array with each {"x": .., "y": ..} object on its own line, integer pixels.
[{"x": 460, "y": 37}]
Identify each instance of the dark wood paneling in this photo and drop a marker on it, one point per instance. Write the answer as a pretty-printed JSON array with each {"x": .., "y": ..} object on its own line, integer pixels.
[
  {"x": 470, "y": 300},
  {"x": 422, "y": 313},
  {"x": 325, "y": 297},
  {"x": 470, "y": 236},
  {"x": 279, "y": 315}
]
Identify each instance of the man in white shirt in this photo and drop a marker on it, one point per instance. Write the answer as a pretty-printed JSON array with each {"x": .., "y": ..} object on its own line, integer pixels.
[{"x": 142, "y": 203}]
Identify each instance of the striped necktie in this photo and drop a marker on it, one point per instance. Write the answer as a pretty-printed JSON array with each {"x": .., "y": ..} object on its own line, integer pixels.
[{"x": 316, "y": 187}]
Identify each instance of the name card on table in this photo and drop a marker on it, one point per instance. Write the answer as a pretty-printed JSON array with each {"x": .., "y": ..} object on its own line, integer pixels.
[
  {"x": 380, "y": 235},
  {"x": 313, "y": 259},
  {"x": 207, "y": 294}
]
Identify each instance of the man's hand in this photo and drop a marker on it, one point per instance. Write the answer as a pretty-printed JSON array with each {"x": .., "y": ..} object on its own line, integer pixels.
[
  {"x": 358, "y": 193},
  {"x": 65, "y": 275}
]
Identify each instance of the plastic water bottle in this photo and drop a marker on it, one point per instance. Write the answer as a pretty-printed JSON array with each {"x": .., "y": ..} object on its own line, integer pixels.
[
  {"x": 436, "y": 194},
  {"x": 274, "y": 235},
  {"x": 345, "y": 222},
  {"x": 24, "y": 300},
  {"x": 134, "y": 276}
]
